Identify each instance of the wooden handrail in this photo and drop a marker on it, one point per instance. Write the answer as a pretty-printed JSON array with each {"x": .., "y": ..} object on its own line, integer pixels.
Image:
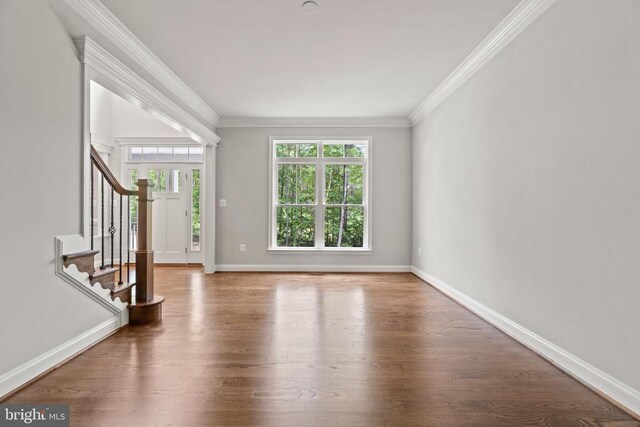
[{"x": 104, "y": 169}]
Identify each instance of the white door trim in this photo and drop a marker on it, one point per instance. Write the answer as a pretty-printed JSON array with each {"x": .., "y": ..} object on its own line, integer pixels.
[{"x": 186, "y": 168}]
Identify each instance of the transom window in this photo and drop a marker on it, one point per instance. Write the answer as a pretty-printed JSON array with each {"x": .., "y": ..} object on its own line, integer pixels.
[
  {"x": 165, "y": 154},
  {"x": 319, "y": 194}
]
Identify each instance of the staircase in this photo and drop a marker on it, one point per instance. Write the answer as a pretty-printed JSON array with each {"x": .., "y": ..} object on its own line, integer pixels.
[
  {"x": 143, "y": 305},
  {"x": 85, "y": 262}
]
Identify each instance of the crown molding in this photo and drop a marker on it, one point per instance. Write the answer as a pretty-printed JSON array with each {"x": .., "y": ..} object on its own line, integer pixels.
[
  {"x": 513, "y": 24},
  {"x": 137, "y": 90},
  {"x": 101, "y": 18},
  {"x": 302, "y": 122}
]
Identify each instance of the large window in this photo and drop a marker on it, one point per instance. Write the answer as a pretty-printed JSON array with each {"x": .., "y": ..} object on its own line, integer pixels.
[{"x": 320, "y": 194}]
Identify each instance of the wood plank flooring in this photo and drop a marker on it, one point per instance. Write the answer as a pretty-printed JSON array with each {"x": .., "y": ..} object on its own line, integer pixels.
[{"x": 306, "y": 350}]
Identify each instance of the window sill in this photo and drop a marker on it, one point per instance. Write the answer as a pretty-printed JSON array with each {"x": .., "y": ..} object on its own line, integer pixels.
[{"x": 301, "y": 251}]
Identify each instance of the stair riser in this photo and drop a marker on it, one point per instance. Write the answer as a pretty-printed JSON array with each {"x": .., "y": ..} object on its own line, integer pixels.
[
  {"x": 124, "y": 296},
  {"x": 84, "y": 264},
  {"x": 107, "y": 282}
]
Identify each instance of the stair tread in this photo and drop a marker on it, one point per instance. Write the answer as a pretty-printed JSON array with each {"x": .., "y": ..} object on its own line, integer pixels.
[
  {"x": 101, "y": 273},
  {"x": 122, "y": 288},
  {"x": 82, "y": 254}
]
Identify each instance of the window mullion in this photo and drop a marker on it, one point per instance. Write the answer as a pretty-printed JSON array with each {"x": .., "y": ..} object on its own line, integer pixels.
[
  {"x": 319, "y": 204},
  {"x": 365, "y": 199},
  {"x": 274, "y": 200},
  {"x": 345, "y": 160},
  {"x": 296, "y": 160}
]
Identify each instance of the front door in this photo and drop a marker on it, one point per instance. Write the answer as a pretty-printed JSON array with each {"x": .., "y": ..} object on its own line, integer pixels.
[
  {"x": 169, "y": 211},
  {"x": 171, "y": 219}
]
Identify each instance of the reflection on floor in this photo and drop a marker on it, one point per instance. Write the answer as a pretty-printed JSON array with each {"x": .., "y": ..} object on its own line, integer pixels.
[{"x": 299, "y": 349}]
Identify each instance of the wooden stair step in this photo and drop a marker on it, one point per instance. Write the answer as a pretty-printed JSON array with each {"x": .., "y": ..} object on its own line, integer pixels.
[
  {"x": 123, "y": 288},
  {"x": 123, "y": 292},
  {"x": 82, "y": 254},
  {"x": 84, "y": 260},
  {"x": 106, "y": 277},
  {"x": 101, "y": 272}
]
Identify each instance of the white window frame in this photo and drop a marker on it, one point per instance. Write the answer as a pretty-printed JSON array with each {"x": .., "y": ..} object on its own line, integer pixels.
[
  {"x": 320, "y": 162},
  {"x": 126, "y": 154}
]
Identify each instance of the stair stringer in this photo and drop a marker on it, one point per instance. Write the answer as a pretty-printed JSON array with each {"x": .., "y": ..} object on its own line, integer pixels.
[{"x": 80, "y": 281}]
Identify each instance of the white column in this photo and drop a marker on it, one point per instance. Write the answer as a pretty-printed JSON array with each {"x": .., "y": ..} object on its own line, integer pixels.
[
  {"x": 210, "y": 210},
  {"x": 86, "y": 153}
]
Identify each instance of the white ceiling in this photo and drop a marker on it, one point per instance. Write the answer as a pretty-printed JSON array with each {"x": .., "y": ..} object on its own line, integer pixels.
[{"x": 355, "y": 58}]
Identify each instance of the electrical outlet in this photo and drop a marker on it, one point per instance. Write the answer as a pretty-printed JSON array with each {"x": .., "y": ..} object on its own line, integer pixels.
[
  {"x": 243, "y": 247},
  {"x": 222, "y": 203},
  {"x": 419, "y": 250}
]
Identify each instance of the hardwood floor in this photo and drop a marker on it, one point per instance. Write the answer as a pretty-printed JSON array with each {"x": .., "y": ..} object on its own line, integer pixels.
[{"x": 303, "y": 349}]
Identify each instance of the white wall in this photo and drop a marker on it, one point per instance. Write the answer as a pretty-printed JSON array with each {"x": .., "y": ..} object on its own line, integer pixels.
[
  {"x": 243, "y": 180},
  {"x": 101, "y": 123},
  {"x": 527, "y": 184},
  {"x": 40, "y": 169},
  {"x": 132, "y": 121},
  {"x": 113, "y": 117}
]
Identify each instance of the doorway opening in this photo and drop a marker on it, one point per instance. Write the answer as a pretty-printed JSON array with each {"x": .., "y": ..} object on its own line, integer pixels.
[
  {"x": 135, "y": 144},
  {"x": 176, "y": 176}
]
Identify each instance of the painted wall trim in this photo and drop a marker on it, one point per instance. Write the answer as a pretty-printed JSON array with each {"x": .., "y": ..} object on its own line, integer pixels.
[
  {"x": 103, "y": 146},
  {"x": 301, "y": 122},
  {"x": 593, "y": 377},
  {"x": 80, "y": 281},
  {"x": 513, "y": 24},
  {"x": 101, "y": 18},
  {"x": 126, "y": 83},
  {"x": 208, "y": 227},
  {"x": 308, "y": 268},
  {"x": 31, "y": 369}
]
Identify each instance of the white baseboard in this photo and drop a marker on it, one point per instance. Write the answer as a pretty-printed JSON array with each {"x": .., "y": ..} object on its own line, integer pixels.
[
  {"x": 309, "y": 268},
  {"x": 31, "y": 369},
  {"x": 578, "y": 368}
]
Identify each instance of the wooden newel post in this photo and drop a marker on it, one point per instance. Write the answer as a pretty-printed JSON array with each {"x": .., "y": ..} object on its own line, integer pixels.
[
  {"x": 147, "y": 306},
  {"x": 144, "y": 252}
]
